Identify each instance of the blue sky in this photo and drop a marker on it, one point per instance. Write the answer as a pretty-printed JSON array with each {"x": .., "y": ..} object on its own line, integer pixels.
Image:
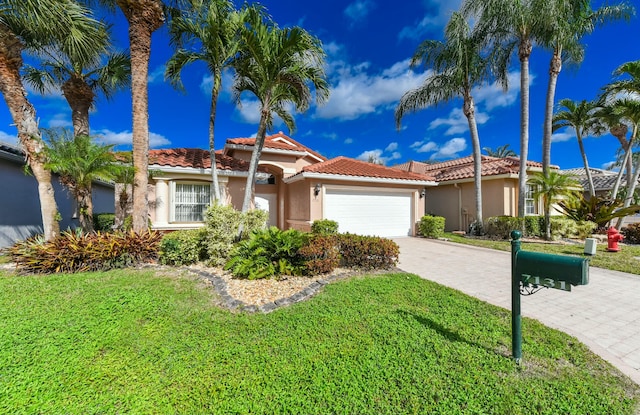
[{"x": 368, "y": 43}]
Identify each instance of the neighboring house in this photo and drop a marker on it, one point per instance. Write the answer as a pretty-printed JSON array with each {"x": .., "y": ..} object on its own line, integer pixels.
[
  {"x": 603, "y": 182},
  {"x": 295, "y": 184},
  {"x": 454, "y": 197},
  {"x": 20, "y": 215}
]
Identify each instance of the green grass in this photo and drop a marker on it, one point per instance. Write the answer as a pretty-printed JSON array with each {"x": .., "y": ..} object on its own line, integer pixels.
[
  {"x": 139, "y": 342},
  {"x": 626, "y": 260}
]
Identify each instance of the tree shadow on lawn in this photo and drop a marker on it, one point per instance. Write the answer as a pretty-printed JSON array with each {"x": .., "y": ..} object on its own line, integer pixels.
[{"x": 450, "y": 334}]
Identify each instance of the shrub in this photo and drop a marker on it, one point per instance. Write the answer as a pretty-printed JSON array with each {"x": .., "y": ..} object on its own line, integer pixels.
[
  {"x": 631, "y": 233},
  {"x": 324, "y": 227},
  {"x": 222, "y": 224},
  {"x": 104, "y": 222},
  {"x": 267, "y": 253},
  {"x": 562, "y": 227},
  {"x": 367, "y": 252},
  {"x": 432, "y": 226},
  {"x": 320, "y": 254},
  {"x": 77, "y": 252},
  {"x": 597, "y": 209},
  {"x": 183, "y": 247},
  {"x": 501, "y": 226},
  {"x": 534, "y": 226}
]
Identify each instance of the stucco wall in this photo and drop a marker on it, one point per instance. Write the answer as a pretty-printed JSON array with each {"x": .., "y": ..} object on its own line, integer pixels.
[
  {"x": 298, "y": 205},
  {"x": 20, "y": 215}
]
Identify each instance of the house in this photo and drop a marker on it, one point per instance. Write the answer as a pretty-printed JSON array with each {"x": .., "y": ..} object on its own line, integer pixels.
[
  {"x": 454, "y": 197},
  {"x": 295, "y": 184},
  {"x": 20, "y": 215}
]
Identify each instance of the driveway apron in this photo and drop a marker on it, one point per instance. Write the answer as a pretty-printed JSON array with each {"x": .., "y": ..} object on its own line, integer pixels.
[{"x": 604, "y": 315}]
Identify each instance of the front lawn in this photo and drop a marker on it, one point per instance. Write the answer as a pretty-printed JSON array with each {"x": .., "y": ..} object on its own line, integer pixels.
[
  {"x": 627, "y": 260},
  {"x": 143, "y": 342}
]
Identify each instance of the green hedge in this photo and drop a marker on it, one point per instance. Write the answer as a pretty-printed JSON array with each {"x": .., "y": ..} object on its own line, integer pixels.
[
  {"x": 324, "y": 227},
  {"x": 104, "y": 222},
  {"x": 183, "y": 247},
  {"x": 561, "y": 227},
  {"x": 432, "y": 226}
]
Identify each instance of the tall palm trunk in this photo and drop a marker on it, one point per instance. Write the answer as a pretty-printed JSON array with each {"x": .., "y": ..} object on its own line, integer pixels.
[
  {"x": 215, "y": 91},
  {"x": 592, "y": 190},
  {"x": 255, "y": 158},
  {"x": 630, "y": 189},
  {"x": 469, "y": 112},
  {"x": 620, "y": 133},
  {"x": 80, "y": 97},
  {"x": 24, "y": 116},
  {"x": 555, "y": 67},
  {"x": 144, "y": 17},
  {"x": 524, "y": 51}
]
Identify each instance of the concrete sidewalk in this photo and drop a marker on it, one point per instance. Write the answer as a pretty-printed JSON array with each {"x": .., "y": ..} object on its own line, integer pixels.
[{"x": 604, "y": 315}]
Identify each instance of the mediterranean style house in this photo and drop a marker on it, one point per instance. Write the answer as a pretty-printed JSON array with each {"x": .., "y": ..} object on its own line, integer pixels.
[{"x": 295, "y": 184}]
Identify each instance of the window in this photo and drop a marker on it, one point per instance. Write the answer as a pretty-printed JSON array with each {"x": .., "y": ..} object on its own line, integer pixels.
[
  {"x": 530, "y": 206},
  {"x": 190, "y": 201}
]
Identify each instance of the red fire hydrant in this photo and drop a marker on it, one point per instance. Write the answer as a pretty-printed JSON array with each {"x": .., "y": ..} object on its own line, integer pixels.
[{"x": 613, "y": 237}]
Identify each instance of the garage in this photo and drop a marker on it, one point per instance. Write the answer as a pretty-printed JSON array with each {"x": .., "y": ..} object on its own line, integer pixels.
[{"x": 370, "y": 211}]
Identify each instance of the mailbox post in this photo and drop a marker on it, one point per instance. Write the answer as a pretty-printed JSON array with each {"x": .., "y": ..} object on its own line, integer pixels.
[{"x": 538, "y": 270}]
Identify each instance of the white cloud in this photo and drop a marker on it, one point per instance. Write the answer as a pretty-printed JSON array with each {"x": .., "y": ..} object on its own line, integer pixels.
[
  {"x": 493, "y": 96},
  {"x": 563, "y": 136},
  {"x": 422, "y": 147},
  {"x": 450, "y": 149},
  {"x": 126, "y": 138},
  {"x": 8, "y": 138},
  {"x": 457, "y": 122},
  {"x": 437, "y": 15},
  {"x": 60, "y": 120},
  {"x": 52, "y": 92},
  {"x": 355, "y": 92},
  {"x": 358, "y": 10},
  {"x": 348, "y": 140},
  {"x": 379, "y": 155},
  {"x": 392, "y": 147},
  {"x": 249, "y": 112},
  {"x": 227, "y": 83},
  {"x": 156, "y": 75}
]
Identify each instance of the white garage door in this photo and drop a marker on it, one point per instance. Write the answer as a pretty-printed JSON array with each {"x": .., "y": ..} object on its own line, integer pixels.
[{"x": 369, "y": 212}]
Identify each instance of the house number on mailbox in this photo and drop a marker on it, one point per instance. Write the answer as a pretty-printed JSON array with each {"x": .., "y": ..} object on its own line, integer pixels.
[{"x": 545, "y": 282}]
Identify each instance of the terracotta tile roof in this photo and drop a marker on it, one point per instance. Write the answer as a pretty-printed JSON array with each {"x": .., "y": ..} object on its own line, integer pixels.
[
  {"x": 195, "y": 158},
  {"x": 277, "y": 141},
  {"x": 345, "y": 166},
  {"x": 462, "y": 168}
]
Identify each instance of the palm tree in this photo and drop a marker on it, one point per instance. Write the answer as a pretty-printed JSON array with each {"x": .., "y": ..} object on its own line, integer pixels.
[
  {"x": 31, "y": 23},
  {"x": 514, "y": 24},
  {"x": 144, "y": 18},
  {"x": 582, "y": 118},
  {"x": 459, "y": 66},
  {"x": 572, "y": 19},
  {"x": 79, "y": 162},
  {"x": 207, "y": 32},
  {"x": 82, "y": 76},
  {"x": 552, "y": 188},
  {"x": 278, "y": 66},
  {"x": 611, "y": 115},
  {"x": 500, "y": 152}
]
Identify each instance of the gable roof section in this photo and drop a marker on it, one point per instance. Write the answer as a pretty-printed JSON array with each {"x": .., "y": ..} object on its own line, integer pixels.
[
  {"x": 344, "y": 168},
  {"x": 603, "y": 180},
  {"x": 277, "y": 142},
  {"x": 12, "y": 152},
  {"x": 195, "y": 158},
  {"x": 462, "y": 168}
]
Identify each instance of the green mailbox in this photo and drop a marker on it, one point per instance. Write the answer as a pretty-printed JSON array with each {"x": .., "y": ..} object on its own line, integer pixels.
[{"x": 553, "y": 271}]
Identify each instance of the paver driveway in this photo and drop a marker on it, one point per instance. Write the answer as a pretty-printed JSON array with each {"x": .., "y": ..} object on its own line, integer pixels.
[{"x": 605, "y": 314}]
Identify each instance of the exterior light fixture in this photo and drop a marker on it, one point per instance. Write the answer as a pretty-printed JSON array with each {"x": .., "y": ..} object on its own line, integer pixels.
[
  {"x": 422, "y": 193},
  {"x": 316, "y": 190}
]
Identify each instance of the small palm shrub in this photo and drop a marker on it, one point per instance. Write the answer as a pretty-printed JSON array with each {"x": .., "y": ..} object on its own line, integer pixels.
[
  {"x": 222, "y": 224},
  {"x": 631, "y": 233},
  {"x": 320, "y": 254},
  {"x": 103, "y": 222},
  {"x": 324, "y": 227},
  {"x": 268, "y": 253},
  {"x": 79, "y": 252},
  {"x": 367, "y": 252},
  {"x": 596, "y": 209},
  {"x": 183, "y": 247},
  {"x": 432, "y": 226},
  {"x": 562, "y": 227}
]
